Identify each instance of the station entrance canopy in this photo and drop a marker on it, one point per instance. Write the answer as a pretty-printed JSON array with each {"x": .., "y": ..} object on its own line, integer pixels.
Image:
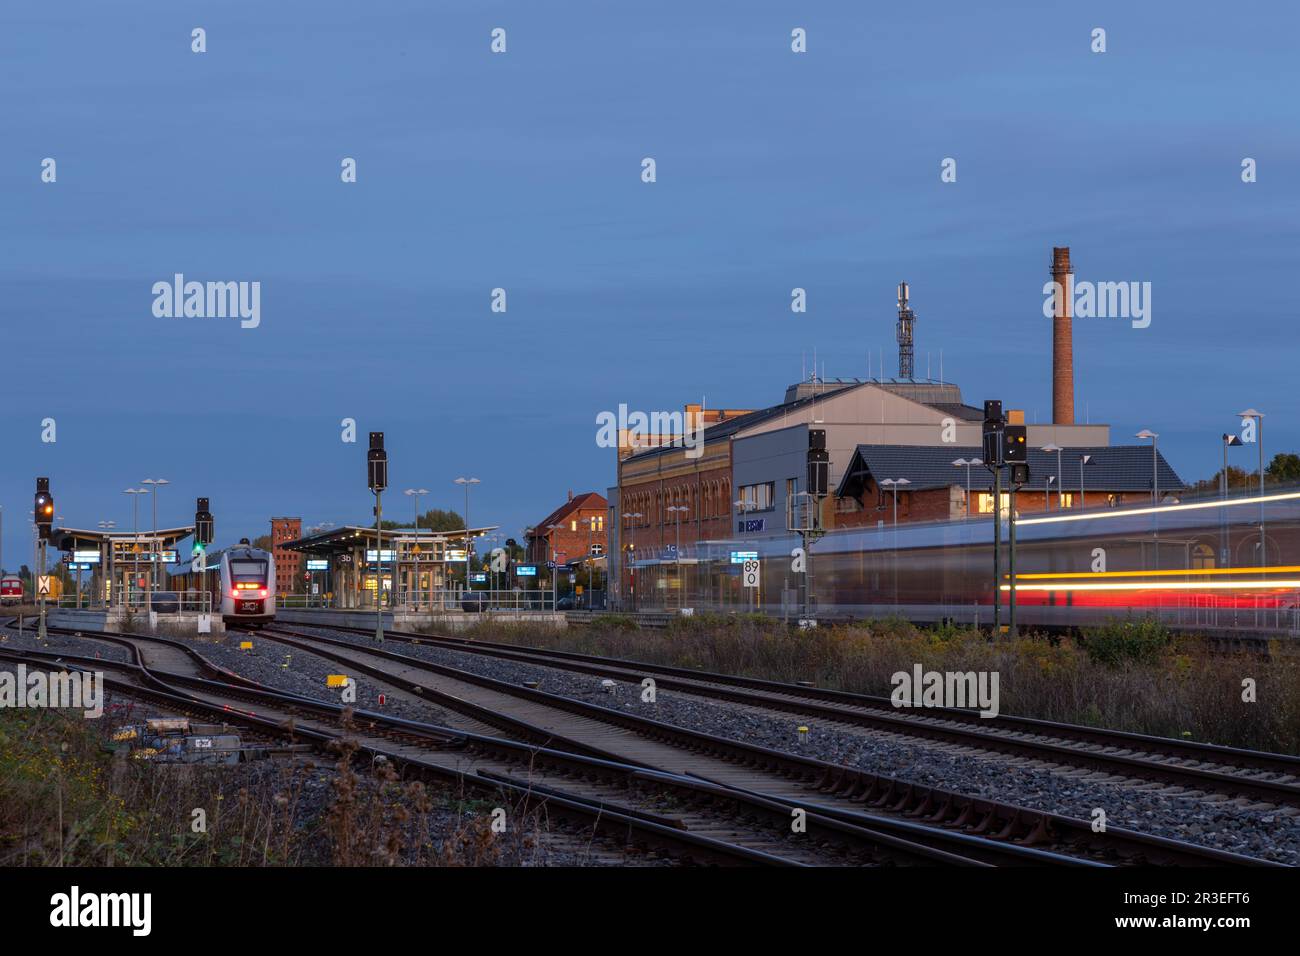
[{"x": 413, "y": 561}]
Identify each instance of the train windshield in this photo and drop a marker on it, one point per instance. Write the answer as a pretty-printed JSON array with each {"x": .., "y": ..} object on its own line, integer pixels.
[{"x": 250, "y": 572}]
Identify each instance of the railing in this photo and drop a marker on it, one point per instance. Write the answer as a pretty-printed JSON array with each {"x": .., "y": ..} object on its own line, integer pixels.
[
  {"x": 433, "y": 601},
  {"x": 161, "y": 602}
]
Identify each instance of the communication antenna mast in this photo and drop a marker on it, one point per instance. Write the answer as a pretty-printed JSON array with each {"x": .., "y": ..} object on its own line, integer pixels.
[{"x": 905, "y": 319}]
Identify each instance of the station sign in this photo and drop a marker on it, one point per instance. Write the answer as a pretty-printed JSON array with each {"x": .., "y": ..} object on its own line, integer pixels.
[
  {"x": 526, "y": 570},
  {"x": 385, "y": 555},
  {"x": 85, "y": 557},
  {"x": 740, "y": 557},
  {"x": 751, "y": 525},
  {"x": 455, "y": 554},
  {"x": 478, "y": 577},
  {"x": 318, "y": 564}
]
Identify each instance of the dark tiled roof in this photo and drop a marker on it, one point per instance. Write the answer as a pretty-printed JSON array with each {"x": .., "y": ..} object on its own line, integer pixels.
[
  {"x": 1112, "y": 469},
  {"x": 588, "y": 499}
]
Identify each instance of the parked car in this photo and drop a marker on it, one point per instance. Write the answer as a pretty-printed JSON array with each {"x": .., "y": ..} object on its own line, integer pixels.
[
  {"x": 567, "y": 603},
  {"x": 473, "y": 601}
]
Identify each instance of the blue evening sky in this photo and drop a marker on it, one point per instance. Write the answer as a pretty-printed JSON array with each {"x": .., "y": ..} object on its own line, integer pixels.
[{"x": 522, "y": 171}]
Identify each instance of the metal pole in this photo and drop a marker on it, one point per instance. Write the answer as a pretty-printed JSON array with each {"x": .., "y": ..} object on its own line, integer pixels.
[
  {"x": 997, "y": 550},
  {"x": 379, "y": 567},
  {"x": 40, "y": 549},
  {"x": 1259, "y": 440},
  {"x": 1060, "y": 483},
  {"x": 1011, "y": 562}
]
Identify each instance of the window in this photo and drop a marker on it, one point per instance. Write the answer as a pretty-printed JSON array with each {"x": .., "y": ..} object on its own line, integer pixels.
[
  {"x": 791, "y": 487},
  {"x": 1067, "y": 500},
  {"x": 573, "y": 525},
  {"x": 985, "y": 502},
  {"x": 758, "y": 497}
]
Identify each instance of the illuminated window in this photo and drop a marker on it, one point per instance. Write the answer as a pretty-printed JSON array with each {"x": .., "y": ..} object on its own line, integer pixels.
[
  {"x": 1202, "y": 557},
  {"x": 1067, "y": 500},
  {"x": 985, "y": 503}
]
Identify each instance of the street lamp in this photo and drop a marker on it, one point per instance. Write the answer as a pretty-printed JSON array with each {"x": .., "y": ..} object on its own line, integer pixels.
[
  {"x": 135, "y": 531},
  {"x": 960, "y": 462},
  {"x": 676, "y": 511},
  {"x": 894, "y": 484},
  {"x": 466, "y": 482},
  {"x": 415, "y": 494},
  {"x": 1229, "y": 441},
  {"x": 1083, "y": 460},
  {"x": 1047, "y": 490},
  {"x": 1060, "y": 483},
  {"x": 1259, "y": 440},
  {"x": 631, "y": 572},
  {"x": 156, "y": 554},
  {"x": 1155, "y": 475}
]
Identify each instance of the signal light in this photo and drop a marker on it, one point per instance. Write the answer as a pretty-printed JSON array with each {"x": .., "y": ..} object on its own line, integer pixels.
[
  {"x": 377, "y": 463},
  {"x": 1017, "y": 446},
  {"x": 43, "y": 508}
]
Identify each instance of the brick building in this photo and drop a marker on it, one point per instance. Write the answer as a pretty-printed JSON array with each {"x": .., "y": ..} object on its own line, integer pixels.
[
  {"x": 569, "y": 528},
  {"x": 288, "y": 564},
  {"x": 936, "y": 485}
]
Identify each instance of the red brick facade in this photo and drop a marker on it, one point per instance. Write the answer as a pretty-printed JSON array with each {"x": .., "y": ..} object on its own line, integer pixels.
[
  {"x": 565, "y": 530},
  {"x": 288, "y": 564}
]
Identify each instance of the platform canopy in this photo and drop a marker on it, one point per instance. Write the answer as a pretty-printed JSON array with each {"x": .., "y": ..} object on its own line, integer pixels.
[
  {"x": 349, "y": 537},
  {"x": 79, "y": 539}
]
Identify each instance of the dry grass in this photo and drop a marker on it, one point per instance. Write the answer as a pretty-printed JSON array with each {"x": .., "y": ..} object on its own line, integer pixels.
[
  {"x": 67, "y": 801},
  {"x": 1177, "y": 690}
]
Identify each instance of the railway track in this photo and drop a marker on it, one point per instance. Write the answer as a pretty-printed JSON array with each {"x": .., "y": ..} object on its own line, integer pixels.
[
  {"x": 1236, "y": 772},
  {"x": 830, "y": 789},
  {"x": 693, "y": 819}
]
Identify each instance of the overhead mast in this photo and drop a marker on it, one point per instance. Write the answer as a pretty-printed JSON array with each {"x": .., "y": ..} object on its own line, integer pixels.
[{"x": 905, "y": 319}]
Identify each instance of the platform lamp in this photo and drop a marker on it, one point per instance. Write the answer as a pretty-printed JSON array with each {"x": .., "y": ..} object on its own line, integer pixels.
[
  {"x": 966, "y": 463},
  {"x": 1083, "y": 460},
  {"x": 1259, "y": 441},
  {"x": 466, "y": 483},
  {"x": 893, "y": 484},
  {"x": 415, "y": 494},
  {"x": 1155, "y": 474},
  {"x": 135, "y": 531},
  {"x": 632, "y": 518},
  {"x": 155, "y": 551},
  {"x": 1060, "y": 482}
]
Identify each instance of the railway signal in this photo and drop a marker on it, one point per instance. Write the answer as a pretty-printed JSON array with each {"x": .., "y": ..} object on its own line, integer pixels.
[
  {"x": 44, "y": 508},
  {"x": 203, "y": 530},
  {"x": 377, "y": 478}
]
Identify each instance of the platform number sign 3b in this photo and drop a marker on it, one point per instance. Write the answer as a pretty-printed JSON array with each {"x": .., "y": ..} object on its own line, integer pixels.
[{"x": 751, "y": 574}]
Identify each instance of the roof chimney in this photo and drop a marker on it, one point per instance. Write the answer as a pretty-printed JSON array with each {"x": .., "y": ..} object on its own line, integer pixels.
[
  {"x": 570, "y": 494},
  {"x": 1062, "y": 339}
]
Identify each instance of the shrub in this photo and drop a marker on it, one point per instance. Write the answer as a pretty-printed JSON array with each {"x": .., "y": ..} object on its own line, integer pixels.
[{"x": 1129, "y": 641}]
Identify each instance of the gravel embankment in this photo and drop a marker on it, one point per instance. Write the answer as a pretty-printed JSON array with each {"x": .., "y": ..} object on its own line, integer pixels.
[{"x": 1270, "y": 833}]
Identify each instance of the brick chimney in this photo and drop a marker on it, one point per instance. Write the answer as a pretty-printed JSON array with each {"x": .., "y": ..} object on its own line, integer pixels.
[{"x": 1062, "y": 340}]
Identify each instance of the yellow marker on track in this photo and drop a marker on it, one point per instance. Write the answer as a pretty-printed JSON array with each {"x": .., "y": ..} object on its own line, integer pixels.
[
  {"x": 245, "y": 645},
  {"x": 336, "y": 680}
]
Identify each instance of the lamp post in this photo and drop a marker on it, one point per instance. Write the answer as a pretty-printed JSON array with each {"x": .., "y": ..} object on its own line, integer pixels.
[
  {"x": 415, "y": 494},
  {"x": 135, "y": 531},
  {"x": 1083, "y": 460},
  {"x": 1259, "y": 440},
  {"x": 107, "y": 558},
  {"x": 1155, "y": 474},
  {"x": 1047, "y": 490},
  {"x": 466, "y": 482},
  {"x": 155, "y": 554},
  {"x": 676, "y": 511},
  {"x": 960, "y": 462},
  {"x": 1060, "y": 482},
  {"x": 631, "y": 572},
  {"x": 893, "y": 485},
  {"x": 1229, "y": 441}
]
